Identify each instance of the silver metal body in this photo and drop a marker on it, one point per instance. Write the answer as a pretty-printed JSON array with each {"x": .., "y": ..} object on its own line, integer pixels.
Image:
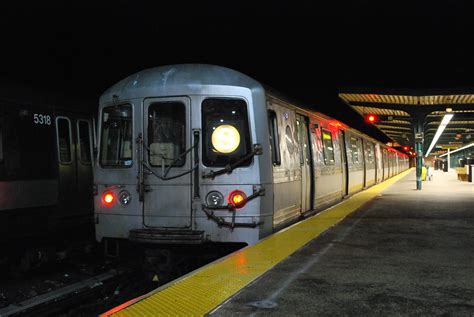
[{"x": 302, "y": 183}]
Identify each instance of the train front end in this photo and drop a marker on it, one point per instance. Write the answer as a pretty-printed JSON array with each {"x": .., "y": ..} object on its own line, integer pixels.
[{"x": 181, "y": 158}]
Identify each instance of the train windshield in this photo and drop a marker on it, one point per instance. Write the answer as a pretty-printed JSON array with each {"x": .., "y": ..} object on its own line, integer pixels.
[
  {"x": 226, "y": 131},
  {"x": 166, "y": 133},
  {"x": 116, "y": 136}
]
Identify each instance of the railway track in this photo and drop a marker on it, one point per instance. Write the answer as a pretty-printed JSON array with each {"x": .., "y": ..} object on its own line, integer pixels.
[
  {"x": 62, "y": 299},
  {"x": 87, "y": 285}
]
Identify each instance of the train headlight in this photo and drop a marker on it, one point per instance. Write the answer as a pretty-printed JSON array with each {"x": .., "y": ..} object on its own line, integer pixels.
[
  {"x": 225, "y": 138},
  {"x": 124, "y": 198},
  {"x": 214, "y": 198},
  {"x": 108, "y": 199}
]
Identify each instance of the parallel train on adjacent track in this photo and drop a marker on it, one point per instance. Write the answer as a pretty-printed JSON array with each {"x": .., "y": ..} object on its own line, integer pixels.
[
  {"x": 193, "y": 153},
  {"x": 46, "y": 145}
]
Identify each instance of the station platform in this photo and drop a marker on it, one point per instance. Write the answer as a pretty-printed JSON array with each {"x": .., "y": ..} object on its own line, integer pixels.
[{"x": 390, "y": 250}]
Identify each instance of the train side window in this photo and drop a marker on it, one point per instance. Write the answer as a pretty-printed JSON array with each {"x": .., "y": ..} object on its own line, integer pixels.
[
  {"x": 274, "y": 137},
  {"x": 355, "y": 150},
  {"x": 63, "y": 129},
  {"x": 116, "y": 144},
  {"x": 370, "y": 154},
  {"x": 83, "y": 132},
  {"x": 328, "y": 147},
  {"x": 167, "y": 133}
]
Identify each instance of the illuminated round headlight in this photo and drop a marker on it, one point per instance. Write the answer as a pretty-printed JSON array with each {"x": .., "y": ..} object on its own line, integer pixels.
[
  {"x": 124, "y": 198},
  {"x": 214, "y": 198},
  {"x": 225, "y": 138}
]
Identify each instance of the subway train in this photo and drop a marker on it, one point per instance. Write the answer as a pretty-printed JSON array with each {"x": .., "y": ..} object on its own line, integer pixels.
[
  {"x": 194, "y": 153},
  {"x": 46, "y": 143}
]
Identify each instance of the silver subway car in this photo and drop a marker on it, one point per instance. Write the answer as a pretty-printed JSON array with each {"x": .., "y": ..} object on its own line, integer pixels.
[{"x": 195, "y": 153}]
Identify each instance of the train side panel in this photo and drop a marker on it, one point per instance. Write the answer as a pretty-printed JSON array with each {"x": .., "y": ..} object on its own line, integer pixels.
[
  {"x": 355, "y": 162},
  {"x": 369, "y": 159},
  {"x": 327, "y": 164},
  {"x": 287, "y": 174},
  {"x": 379, "y": 162},
  {"x": 34, "y": 153}
]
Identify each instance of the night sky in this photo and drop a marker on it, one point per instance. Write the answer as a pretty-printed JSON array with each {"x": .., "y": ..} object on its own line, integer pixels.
[{"x": 305, "y": 50}]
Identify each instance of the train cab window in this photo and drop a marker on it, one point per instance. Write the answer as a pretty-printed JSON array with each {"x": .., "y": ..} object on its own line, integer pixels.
[
  {"x": 355, "y": 150},
  {"x": 116, "y": 136},
  {"x": 63, "y": 126},
  {"x": 226, "y": 133},
  {"x": 167, "y": 133},
  {"x": 274, "y": 138},
  {"x": 328, "y": 147},
  {"x": 84, "y": 141}
]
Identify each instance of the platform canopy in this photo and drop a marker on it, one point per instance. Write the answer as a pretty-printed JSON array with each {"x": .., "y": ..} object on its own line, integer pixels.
[{"x": 398, "y": 113}]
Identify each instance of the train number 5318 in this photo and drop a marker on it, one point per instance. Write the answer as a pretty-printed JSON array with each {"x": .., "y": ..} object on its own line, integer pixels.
[{"x": 42, "y": 119}]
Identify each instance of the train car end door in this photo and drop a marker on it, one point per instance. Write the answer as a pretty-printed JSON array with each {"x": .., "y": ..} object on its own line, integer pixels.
[
  {"x": 345, "y": 167},
  {"x": 306, "y": 164},
  {"x": 167, "y": 139}
]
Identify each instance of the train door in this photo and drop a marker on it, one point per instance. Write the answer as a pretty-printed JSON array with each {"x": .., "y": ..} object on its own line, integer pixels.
[
  {"x": 375, "y": 159},
  {"x": 345, "y": 167},
  {"x": 84, "y": 164},
  {"x": 385, "y": 164},
  {"x": 364, "y": 163},
  {"x": 379, "y": 163},
  {"x": 67, "y": 169},
  {"x": 75, "y": 163},
  {"x": 305, "y": 162},
  {"x": 167, "y": 140}
]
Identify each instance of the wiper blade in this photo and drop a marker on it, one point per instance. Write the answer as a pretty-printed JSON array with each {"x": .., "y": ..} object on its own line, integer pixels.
[{"x": 257, "y": 150}]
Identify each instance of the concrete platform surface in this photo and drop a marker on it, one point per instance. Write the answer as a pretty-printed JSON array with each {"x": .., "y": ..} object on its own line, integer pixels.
[{"x": 405, "y": 253}]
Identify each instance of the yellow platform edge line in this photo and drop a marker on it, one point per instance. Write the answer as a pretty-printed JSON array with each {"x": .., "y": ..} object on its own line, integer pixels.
[{"x": 205, "y": 289}]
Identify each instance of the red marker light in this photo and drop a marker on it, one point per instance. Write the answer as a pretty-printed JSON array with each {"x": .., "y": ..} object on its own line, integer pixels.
[
  {"x": 371, "y": 118},
  {"x": 237, "y": 199},
  {"x": 405, "y": 148},
  {"x": 108, "y": 199}
]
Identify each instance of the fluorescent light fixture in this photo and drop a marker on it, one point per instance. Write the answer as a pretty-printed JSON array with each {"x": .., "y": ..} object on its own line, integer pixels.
[
  {"x": 447, "y": 117},
  {"x": 457, "y": 150}
]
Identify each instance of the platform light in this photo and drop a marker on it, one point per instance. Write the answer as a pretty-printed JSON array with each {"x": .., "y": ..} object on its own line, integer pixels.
[
  {"x": 371, "y": 118},
  {"x": 447, "y": 117},
  {"x": 457, "y": 150}
]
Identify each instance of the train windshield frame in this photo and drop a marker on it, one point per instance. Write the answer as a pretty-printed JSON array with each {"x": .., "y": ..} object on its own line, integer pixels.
[
  {"x": 116, "y": 144},
  {"x": 225, "y": 118}
]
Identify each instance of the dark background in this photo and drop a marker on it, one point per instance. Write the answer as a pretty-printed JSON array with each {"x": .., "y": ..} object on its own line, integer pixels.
[{"x": 308, "y": 50}]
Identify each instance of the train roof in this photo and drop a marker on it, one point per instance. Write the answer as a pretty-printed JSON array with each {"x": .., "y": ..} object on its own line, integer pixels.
[
  {"x": 191, "y": 77},
  {"x": 188, "y": 79}
]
